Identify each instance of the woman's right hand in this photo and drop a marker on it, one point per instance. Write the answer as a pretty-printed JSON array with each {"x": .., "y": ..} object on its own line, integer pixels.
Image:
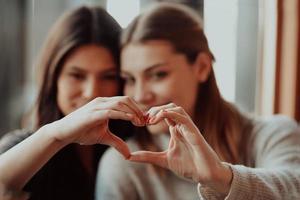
[{"x": 89, "y": 124}]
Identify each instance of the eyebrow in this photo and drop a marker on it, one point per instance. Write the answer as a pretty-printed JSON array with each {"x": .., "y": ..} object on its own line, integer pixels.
[
  {"x": 149, "y": 69},
  {"x": 153, "y": 67},
  {"x": 78, "y": 69}
]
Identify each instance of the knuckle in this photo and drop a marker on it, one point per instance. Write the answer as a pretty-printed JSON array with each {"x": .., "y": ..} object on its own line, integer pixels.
[
  {"x": 173, "y": 104},
  {"x": 180, "y": 108},
  {"x": 97, "y": 99},
  {"x": 107, "y": 112},
  {"x": 127, "y": 99},
  {"x": 119, "y": 104}
]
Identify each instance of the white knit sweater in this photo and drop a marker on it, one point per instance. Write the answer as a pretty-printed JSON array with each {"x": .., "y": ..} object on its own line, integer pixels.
[{"x": 272, "y": 170}]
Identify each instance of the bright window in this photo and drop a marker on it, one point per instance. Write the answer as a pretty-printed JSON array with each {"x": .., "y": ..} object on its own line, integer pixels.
[{"x": 123, "y": 10}]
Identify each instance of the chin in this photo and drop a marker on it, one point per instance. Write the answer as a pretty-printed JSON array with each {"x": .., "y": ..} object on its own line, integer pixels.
[{"x": 159, "y": 128}]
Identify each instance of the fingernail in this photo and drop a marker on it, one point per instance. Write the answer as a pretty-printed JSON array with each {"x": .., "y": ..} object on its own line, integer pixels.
[
  {"x": 151, "y": 120},
  {"x": 146, "y": 118}
]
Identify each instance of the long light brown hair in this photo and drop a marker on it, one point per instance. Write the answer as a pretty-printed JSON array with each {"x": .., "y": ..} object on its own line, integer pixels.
[
  {"x": 221, "y": 124},
  {"x": 78, "y": 27}
]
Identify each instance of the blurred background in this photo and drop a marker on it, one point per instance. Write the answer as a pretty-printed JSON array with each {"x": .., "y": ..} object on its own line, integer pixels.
[{"x": 256, "y": 44}]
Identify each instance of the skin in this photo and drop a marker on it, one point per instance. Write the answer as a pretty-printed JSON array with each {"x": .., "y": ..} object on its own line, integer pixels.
[
  {"x": 89, "y": 72},
  {"x": 87, "y": 125},
  {"x": 155, "y": 75}
]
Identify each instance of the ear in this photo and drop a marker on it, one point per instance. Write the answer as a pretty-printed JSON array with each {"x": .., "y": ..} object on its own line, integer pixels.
[{"x": 203, "y": 65}]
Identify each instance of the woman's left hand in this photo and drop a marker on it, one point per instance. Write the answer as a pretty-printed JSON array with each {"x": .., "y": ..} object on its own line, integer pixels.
[{"x": 188, "y": 154}]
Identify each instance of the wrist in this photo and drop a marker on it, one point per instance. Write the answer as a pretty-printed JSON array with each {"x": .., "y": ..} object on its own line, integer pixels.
[
  {"x": 221, "y": 179},
  {"x": 51, "y": 132}
]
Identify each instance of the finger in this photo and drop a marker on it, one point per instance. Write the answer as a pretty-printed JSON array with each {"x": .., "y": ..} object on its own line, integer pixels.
[
  {"x": 156, "y": 158},
  {"x": 191, "y": 133},
  {"x": 132, "y": 104},
  {"x": 118, "y": 144},
  {"x": 119, "y": 103},
  {"x": 112, "y": 114},
  {"x": 177, "y": 109},
  {"x": 175, "y": 134},
  {"x": 169, "y": 122},
  {"x": 115, "y": 114},
  {"x": 129, "y": 105},
  {"x": 129, "y": 102},
  {"x": 155, "y": 110},
  {"x": 172, "y": 116}
]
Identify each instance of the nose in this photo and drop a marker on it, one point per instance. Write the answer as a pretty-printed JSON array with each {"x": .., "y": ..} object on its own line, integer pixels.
[
  {"x": 143, "y": 93},
  {"x": 91, "y": 89}
]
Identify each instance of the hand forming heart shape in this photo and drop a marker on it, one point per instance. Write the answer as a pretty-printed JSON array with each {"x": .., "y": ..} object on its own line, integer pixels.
[{"x": 188, "y": 154}]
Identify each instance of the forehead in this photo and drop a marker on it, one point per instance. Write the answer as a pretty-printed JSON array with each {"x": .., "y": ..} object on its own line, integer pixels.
[
  {"x": 139, "y": 56},
  {"x": 91, "y": 57}
]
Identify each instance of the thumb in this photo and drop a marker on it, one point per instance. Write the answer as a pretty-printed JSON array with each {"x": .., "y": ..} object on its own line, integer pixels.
[
  {"x": 156, "y": 158},
  {"x": 117, "y": 143}
]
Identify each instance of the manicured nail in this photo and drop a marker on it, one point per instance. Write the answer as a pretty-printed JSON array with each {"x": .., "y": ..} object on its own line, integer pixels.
[{"x": 146, "y": 118}]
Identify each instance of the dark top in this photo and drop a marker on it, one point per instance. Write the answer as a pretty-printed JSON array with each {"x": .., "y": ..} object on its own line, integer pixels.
[{"x": 63, "y": 176}]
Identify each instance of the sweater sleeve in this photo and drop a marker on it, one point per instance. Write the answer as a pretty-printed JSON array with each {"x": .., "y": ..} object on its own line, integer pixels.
[
  {"x": 113, "y": 181},
  {"x": 276, "y": 155}
]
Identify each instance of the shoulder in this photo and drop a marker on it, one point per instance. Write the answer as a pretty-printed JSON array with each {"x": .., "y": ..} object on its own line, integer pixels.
[
  {"x": 275, "y": 138},
  {"x": 276, "y": 126},
  {"x": 276, "y": 121},
  {"x": 12, "y": 138}
]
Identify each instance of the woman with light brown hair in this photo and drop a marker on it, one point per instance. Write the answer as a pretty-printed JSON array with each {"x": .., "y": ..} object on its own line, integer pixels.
[{"x": 167, "y": 67}]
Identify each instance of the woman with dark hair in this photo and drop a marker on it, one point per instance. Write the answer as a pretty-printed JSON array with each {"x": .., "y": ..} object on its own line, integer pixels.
[
  {"x": 167, "y": 67},
  {"x": 87, "y": 125},
  {"x": 79, "y": 62}
]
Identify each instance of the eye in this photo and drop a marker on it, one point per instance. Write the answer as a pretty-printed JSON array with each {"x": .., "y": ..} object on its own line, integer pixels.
[
  {"x": 158, "y": 75},
  {"x": 77, "y": 76}
]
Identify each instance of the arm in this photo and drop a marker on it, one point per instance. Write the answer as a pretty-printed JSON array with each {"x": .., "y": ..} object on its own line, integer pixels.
[
  {"x": 12, "y": 138},
  {"x": 21, "y": 162},
  {"x": 186, "y": 145},
  {"x": 276, "y": 151},
  {"x": 87, "y": 125},
  {"x": 277, "y": 172}
]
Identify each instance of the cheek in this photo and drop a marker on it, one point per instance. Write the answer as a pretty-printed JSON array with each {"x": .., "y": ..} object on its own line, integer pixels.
[
  {"x": 128, "y": 91},
  {"x": 66, "y": 89},
  {"x": 181, "y": 92},
  {"x": 65, "y": 94},
  {"x": 187, "y": 98},
  {"x": 168, "y": 90}
]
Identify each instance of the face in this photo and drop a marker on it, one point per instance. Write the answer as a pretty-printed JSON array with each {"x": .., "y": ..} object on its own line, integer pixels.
[
  {"x": 155, "y": 75},
  {"x": 89, "y": 72}
]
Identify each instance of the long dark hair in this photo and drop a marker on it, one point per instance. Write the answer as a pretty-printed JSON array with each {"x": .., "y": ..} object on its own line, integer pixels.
[
  {"x": 222, "y": 125},
  {"x": 82, "y": 26},
  {"x": 64, "y": 176}
]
